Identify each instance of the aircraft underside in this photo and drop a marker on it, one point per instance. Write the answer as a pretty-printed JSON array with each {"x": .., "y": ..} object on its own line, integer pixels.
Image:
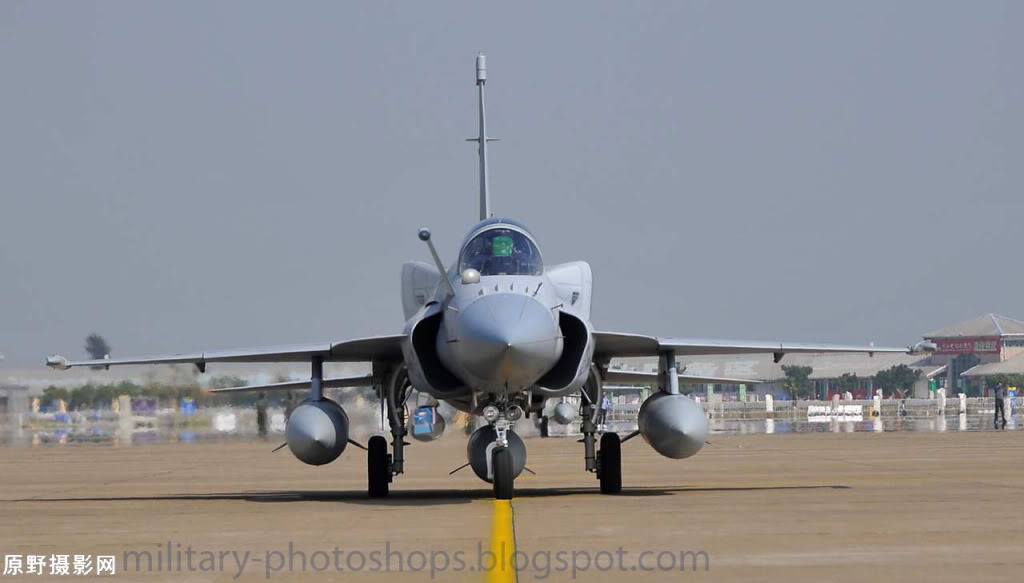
[{"x": 317, "y": 432}]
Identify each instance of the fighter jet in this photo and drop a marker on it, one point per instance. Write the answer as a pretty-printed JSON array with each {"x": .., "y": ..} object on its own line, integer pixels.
[{"x": 497, "y": 334}]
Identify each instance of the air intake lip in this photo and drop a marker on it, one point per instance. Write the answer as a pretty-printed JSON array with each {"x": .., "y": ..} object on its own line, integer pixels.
[{"x": 574, "y": 346}]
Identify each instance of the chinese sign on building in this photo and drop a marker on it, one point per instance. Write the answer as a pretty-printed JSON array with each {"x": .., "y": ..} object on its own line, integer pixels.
[{"x": 966, "y": 345}]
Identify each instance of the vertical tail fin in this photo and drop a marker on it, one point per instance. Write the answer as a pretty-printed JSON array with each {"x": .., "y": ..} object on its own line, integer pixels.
[{"x": 482, "y": 139}]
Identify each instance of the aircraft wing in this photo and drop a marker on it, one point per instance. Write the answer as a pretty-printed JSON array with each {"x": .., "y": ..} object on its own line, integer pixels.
[
  {"x": 328, "y": 383},
  {"x": 616, "y": 345},
  {"x": 358, "y": 350},
  {"x": 635, "y": 377}
]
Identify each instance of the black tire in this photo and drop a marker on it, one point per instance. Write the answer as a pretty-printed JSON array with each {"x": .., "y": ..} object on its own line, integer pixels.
[
  {"x": 378, "y": 474},
  {"x": 610, "y": 463},
  {"x": 504, "y": 481}
]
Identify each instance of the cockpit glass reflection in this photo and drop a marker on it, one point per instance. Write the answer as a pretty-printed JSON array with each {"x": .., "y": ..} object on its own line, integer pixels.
[{"x": 502, "y": 252}]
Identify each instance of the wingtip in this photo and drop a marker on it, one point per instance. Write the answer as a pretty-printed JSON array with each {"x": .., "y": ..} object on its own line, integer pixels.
[
  {"x": 58, "y": 362},
  {"x": 923, "y": 347}
]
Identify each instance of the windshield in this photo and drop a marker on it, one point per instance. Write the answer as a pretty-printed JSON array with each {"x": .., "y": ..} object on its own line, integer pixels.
[{"x": 502, "y": 252}]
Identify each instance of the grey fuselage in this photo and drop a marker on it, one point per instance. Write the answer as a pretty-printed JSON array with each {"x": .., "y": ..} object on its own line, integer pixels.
[{"x": 500, "y": 335}]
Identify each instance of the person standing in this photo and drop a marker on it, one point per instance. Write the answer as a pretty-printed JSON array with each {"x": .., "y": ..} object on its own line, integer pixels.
[
  {"x": 606, "y": 404},
  {"x": 261, "y": 414},
  {"x": 1000, "y": 394},
  {"x": 289, "y": 405}
]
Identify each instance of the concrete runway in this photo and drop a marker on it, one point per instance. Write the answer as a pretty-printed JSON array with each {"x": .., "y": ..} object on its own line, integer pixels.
[{"x": 800, "y": 507}]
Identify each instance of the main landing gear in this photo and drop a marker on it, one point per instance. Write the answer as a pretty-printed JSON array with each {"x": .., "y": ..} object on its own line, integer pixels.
[
  {"x": 606, "y": 463},
  {"x": 381, "y": 466},
  {"x": 609, "y": 464},
  {"x": 378, "y": 466}
]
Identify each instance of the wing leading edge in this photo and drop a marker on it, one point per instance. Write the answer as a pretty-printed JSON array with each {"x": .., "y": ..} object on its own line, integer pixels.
[
  {"x": 358, "y": 350},
  {"x": 617, "y": 345},
  {"x": 634, "y": 377},
  {"x": 329, "y": 383}
]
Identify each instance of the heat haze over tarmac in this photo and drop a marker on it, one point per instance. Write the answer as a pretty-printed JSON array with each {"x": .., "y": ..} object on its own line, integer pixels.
[{"x": 797, "y": 507}]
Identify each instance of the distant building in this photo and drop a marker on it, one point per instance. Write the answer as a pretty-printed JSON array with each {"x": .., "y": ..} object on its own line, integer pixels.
[
  {"x": 986, "y": 340},
  {"x": 1011, "y": 366}
]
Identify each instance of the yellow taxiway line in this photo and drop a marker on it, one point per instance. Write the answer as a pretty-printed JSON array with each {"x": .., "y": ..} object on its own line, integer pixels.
[{"x": 503, "y": 544}]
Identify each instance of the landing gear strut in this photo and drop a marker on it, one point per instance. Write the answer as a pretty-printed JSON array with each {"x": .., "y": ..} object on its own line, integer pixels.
[
  {"x": 381, "y": 466},
  {"x": 606, "y": 463},
  {"x": 503, "y": 475}
]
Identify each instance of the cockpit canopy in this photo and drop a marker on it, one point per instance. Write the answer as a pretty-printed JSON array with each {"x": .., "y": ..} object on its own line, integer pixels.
[{"x": 501, "y": 250}]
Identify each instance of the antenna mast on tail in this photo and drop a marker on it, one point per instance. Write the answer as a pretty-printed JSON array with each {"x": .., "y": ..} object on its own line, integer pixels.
[{"x": 485, "y": 195}]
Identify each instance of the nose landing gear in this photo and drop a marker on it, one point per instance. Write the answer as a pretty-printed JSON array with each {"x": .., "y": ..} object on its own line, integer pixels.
[
  {"x": 501, "y": 457},
  {"x": 503, "y": 470},
  {"x": 504, "y": 479}
]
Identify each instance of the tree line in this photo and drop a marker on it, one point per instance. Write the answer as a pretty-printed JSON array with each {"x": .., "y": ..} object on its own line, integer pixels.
[
  {"x": 898, "y": 379},
  {"x": 102, "y": 395}
]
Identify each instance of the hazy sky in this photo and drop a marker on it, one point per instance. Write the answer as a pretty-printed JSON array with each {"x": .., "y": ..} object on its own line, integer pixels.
[{"x": 195, "y": 175}]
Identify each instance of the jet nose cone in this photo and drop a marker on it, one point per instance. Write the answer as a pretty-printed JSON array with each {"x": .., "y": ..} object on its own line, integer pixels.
[{"x": 507, "y": 339}]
